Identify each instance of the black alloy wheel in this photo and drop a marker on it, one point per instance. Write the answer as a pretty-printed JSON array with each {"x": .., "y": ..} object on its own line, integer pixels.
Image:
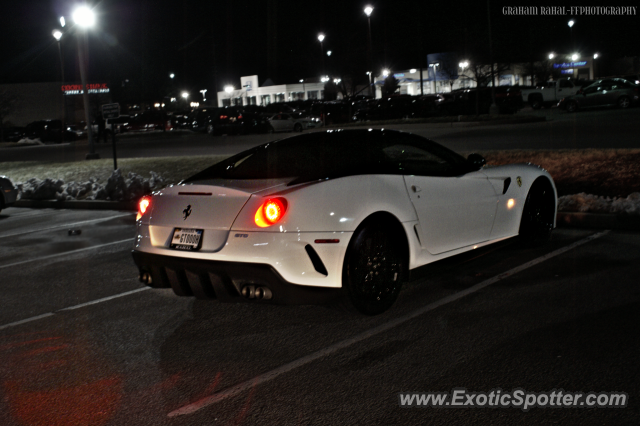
[
  {"x": 624, "y": 102},
  {"x": 374, "y": 269},
  {"x": 538, "y": 214}
]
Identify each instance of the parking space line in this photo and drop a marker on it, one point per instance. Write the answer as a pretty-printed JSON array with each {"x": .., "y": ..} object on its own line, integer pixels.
[
  {"x": 38, "y": 259},
  {"x": 64, "y": 225},
  {"x": 270, "y": 375},
  {"x": 71, "y": 308}
]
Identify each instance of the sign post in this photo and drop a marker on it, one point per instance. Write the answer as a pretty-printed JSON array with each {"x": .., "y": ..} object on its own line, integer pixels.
[{"x": 110, "y": 112}]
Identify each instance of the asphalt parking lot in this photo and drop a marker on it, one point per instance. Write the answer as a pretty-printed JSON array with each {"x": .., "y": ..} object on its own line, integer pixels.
[{"x": 83, "y": 342}]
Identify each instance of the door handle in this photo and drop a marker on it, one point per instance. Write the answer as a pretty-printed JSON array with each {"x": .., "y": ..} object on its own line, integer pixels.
[{"x": 415, "y": 188}]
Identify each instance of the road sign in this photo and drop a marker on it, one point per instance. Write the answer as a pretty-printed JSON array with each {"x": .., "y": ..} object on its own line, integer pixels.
[{"x": 110, "y": 111}]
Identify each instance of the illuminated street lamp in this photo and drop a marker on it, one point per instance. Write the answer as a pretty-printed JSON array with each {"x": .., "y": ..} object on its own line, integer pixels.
[
  {"x": 367, "y": 11},
  {"x": 204, "y": 95},
  {"x": 575, "y": 57},
  {"x": 84, "y": 18},
  {"x": 172, "y": 75},
  {"x": 570, "y": 23},
  {"x": 385, "y": 73},
  {"x": 321, "y": 39},
  {"x": 185, "y": 95},
  {"x": 328, "y": 53},
  {"x": 551, "y": 55},
  {"x": 228, "y": 89}
]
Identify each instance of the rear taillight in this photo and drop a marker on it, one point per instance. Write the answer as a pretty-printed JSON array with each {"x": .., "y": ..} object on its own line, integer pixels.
[
  {"x": 143, "y": 206},
  {"x": 270, "y": 212}
]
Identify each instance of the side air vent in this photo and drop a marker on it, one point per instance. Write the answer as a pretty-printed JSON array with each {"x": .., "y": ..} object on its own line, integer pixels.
[
  {"x": 315, "y": 260},
  {"x": 507, "y": 182}
]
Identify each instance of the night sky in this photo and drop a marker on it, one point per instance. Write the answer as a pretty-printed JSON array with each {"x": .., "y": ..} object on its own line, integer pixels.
[{"x": 207, "y": 43}]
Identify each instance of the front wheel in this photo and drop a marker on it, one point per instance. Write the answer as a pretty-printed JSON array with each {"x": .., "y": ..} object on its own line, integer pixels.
[
  {"x": 624, "y": 102},
  {"x": 536, "y": 103},
  {"x": 572, "y": 106},
  {"x": 210, "y": 129},
  {"x": 375, "y": 267},
  {"x": 297, "y": 127},
  {"x": 538, "y": 214}
]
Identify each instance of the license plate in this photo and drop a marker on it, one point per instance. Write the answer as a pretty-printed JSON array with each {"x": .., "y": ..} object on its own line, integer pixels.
[{"x": 186, "y": 239}]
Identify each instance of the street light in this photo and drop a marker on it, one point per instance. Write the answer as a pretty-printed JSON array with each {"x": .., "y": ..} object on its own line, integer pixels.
[
  {"x": 570, "y": 23},
  {"x": 328, "y": 53},
  {"x": 551, "y": 55},
  {"x": 57, "y": 34},
  {"x": 172, "y": 75},
  {"x": 304, "y": 93},
  {"x": 321, "y": 39},
  {"x": 385, "y": 73},
  {"x": 575, "y": 57},
  {"x": 84, "y": 17},
  {"x": 228, "y": 89},
  {"x": 204, "y": 95},
  {"x": 368, "y": 10}
]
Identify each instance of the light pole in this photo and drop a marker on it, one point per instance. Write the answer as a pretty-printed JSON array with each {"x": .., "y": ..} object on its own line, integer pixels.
[
  {"x": 321, "y": 39},
  {"x": 464, "y": 64},
  {"x": 595, "y": 56},
  {"x": 368, "y": 11},
  {"x": 57, "y": 34},
  {"x": 83, "y": 17},
  {"x": 570, "y": 23},
  {"x": 304, "y": 92}
]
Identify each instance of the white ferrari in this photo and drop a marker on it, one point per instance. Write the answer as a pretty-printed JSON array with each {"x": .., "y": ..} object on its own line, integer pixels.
[{"x": 338, "y": 214}]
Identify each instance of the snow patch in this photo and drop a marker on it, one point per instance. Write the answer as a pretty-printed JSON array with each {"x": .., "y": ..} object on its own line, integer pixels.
[
  {"x": 117, "y": 188},
  {"x": 588, "y": 203}
]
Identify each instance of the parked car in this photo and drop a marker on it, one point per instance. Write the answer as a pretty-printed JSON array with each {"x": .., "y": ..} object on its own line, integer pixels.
[
  {"x": 8, "y": 192},
  {"x": 333, "y": 214},
  {"x": 50, "y": 131},
  {"x": 287, "y": 123},
  {"x": 611, "y": 91},
  {"x": 12, "y": 134},
  {"x": 478, "y": 101},
  {"x": 549, "y": 93},
  {"x": 146, "y": 122},
  {"x": 213, "y": 120}
]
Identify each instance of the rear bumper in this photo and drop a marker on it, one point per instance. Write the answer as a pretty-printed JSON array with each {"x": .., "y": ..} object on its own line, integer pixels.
[{"x": 226, "y": 281}]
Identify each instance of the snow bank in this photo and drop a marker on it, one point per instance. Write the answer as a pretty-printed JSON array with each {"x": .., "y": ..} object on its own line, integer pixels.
[
  {"x": 588, "y": 203},
  {"x": 117, "y": 188}
]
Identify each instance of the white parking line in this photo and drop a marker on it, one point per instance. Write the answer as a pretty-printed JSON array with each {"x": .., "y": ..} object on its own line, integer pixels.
[
  {"x": 65, "y": 225},
  {"x": 71, "y": 308},
  {"x": 66, "y": 253},
  {"x": 270, "y": 375}
]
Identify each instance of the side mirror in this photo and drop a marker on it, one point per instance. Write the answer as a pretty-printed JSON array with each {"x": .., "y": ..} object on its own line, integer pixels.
[{"x": 476, "y": 160}]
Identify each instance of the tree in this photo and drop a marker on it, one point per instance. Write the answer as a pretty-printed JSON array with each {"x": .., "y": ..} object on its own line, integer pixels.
[
  {"x": 390, "y": 86},
  {"x": 481, "y": 74},
  {"x": 7, "y": 104}
]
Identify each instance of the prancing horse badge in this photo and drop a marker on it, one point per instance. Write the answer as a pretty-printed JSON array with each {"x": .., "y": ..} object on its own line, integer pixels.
[
  {"x": 519, "y": 181},
  {"x": 186, "y": 212}
]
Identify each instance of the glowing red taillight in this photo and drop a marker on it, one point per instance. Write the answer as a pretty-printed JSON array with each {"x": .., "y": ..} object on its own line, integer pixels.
[
  {"x": 270, "y": 212},
  {"x": 143, "y": 206}
]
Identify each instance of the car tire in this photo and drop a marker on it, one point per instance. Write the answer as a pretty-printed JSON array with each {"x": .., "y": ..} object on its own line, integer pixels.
[
  {"x": 536, "y": 103},
  {"x": 374, "y": 269},
  {"x": 297, "y": 127},
  {"x": 572, "y": 106},
  {"x": 538, "y": 214},
  {"x": 624, "y": 102},
  {"x": 210, "y": 129},
  {"x": 270, "y": 129}
]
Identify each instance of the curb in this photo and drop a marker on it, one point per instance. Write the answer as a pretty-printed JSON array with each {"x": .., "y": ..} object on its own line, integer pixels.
[{"x": 563, "y": 219}]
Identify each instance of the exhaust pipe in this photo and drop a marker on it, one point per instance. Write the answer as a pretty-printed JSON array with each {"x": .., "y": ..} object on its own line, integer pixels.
[
  {"x": 252, "y": 292},
  {"x": 145, "y": 278}
]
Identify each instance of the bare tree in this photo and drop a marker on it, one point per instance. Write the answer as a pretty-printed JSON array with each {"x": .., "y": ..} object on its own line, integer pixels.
[
  {"x": 391, "y": 85},
  {"x": 480, "y": 73}
]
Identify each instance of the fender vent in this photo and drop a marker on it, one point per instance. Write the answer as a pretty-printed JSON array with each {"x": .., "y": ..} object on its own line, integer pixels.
[
  {"x": 507, "y": 182},
  {"x": 315, "y": 259}
]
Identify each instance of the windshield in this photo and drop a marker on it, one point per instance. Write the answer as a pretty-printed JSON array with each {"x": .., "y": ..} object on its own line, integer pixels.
[{"x": 339, "y": 153}]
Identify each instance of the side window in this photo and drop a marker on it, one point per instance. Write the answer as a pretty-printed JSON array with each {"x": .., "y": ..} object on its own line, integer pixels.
[
  {"x": 566, "y": 83},
  {"x": 412, "y": 160}
]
